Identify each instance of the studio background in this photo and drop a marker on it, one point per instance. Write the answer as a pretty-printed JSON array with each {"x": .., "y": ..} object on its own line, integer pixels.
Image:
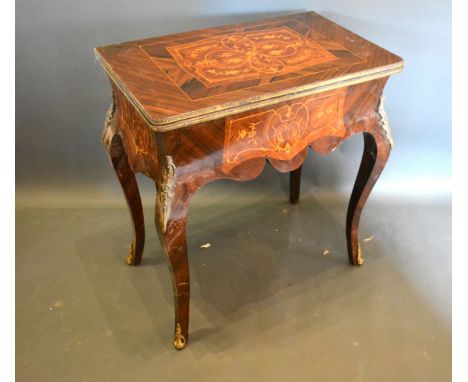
[{"x": 265, "y": 304}]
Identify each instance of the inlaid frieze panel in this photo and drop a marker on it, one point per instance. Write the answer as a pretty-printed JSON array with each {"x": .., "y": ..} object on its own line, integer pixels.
[{"x": 281, "y": 132}]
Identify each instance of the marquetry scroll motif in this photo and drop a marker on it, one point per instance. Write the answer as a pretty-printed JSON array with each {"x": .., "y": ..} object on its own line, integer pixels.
[
  {"x": 166, "y": 192},
  {"x": 247, "y": 55},
  {"x": 285, "y": 130},
  {"x": 384, "y": 121}
]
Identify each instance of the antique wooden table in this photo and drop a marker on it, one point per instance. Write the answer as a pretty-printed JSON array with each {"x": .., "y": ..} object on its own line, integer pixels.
[{"x": 217, "y": 103}]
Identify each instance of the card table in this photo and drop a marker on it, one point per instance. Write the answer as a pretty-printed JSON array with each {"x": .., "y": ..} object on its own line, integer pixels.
[{"x": 216, "y": 103}]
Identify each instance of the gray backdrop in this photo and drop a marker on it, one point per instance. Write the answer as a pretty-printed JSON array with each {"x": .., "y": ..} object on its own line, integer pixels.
[{"x": 62, "y": 92}]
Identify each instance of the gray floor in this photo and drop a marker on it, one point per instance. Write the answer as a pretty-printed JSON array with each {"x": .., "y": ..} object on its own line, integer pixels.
[{"x": 266, "y": 304}]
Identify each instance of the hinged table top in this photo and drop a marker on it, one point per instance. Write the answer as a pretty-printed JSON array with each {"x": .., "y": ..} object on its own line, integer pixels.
[{"x": 186, "y": 78}]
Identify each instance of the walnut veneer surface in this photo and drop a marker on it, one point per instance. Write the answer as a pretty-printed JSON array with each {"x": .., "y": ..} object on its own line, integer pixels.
[{"x": 217, "y": 103}]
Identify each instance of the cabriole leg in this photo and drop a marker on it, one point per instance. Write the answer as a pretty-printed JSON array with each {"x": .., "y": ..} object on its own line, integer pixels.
[
  {"x": 376, "y": 152},
  {"x": 114, "y": 146},
  {"x": 171, "y": 222}
]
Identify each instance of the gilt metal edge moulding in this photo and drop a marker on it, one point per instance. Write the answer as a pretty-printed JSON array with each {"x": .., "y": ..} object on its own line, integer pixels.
[
  {"x": 204, "y": 113},
  {"x": 225, "y": 110}
]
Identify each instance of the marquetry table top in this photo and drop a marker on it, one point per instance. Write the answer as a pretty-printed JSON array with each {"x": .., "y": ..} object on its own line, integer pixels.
[{"x": 186, "y": 78}]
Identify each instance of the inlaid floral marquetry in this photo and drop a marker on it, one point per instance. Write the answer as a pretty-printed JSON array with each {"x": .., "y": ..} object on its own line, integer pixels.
[
  {"x": 248, "y": 55},
  {"x": 245, "y": 57},
  {"x": 284, "y": 131}
]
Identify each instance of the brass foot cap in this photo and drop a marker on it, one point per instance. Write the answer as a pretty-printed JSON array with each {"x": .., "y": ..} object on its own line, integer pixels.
[
  {"x": 179, "y": 339},
  {"x": 359, "y": 258},
  {"x": 131, "y": 256}
]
